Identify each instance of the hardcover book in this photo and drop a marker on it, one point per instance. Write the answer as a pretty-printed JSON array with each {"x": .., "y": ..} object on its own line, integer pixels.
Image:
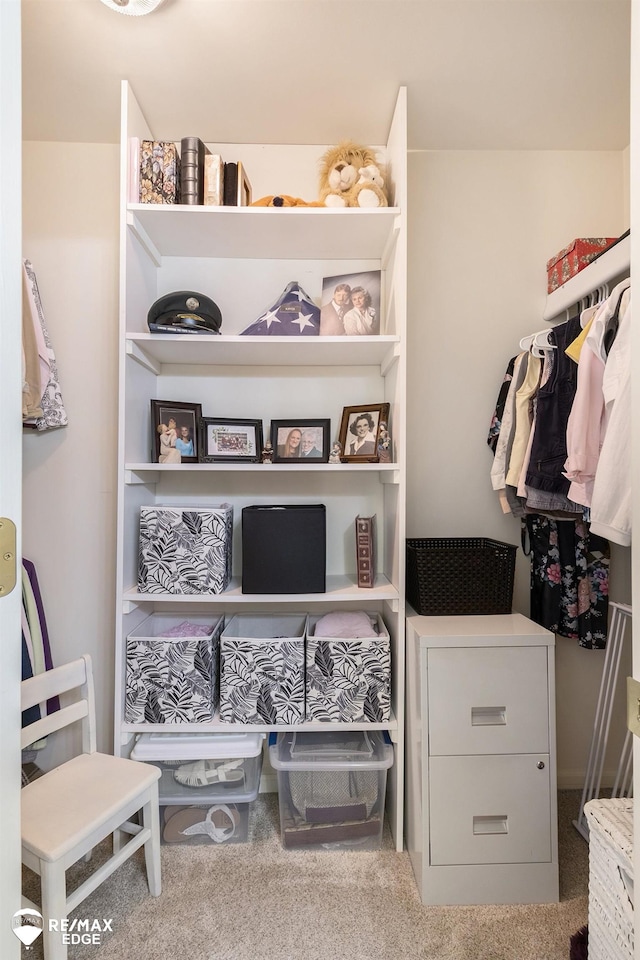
[
  {"x": 192, "y": 155},
  {"x": 365, "y": 550},
  {"x": 237, "y": 189},
  {"x": 213, "y": 182}
]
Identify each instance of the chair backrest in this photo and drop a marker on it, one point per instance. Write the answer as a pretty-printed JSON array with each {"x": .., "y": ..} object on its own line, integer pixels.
[{"x": 76, "y": 675}]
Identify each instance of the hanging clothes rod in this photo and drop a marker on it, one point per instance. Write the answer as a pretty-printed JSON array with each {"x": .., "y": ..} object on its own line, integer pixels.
[{"x": 614, "y": 262}]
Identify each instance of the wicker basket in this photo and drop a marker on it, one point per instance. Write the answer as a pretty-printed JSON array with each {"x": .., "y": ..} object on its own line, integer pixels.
[
  {"x": 611, "y": 906},
  {"x": 460, "y": 575}
]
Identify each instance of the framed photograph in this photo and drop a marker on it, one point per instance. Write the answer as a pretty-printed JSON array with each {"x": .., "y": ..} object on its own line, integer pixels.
[
  {"x": 360, "y": 432},
  {"x": 300, "y": 440},
  {"x": 230, "y": 441},
  {"x": 351, "y": 305},
  {"x": 174, "y": 427}
]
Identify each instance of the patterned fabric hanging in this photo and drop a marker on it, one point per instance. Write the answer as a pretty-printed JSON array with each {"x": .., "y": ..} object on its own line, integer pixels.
[{"x": 569, "y": 578}]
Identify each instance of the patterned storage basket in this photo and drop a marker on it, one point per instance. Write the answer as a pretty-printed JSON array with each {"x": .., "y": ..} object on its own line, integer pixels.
[
  {"x": 172, "y": 669},
  {"x": 262, "y": 669},
  {"x": 450, "y": 576},
  {"x": 611, "y": 904},
  {"x": 348, "y": 680}
]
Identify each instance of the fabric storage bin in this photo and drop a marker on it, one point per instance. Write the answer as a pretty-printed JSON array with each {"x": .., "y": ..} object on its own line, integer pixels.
[
  {"x": 284, "y": 549},
  {"x": 574, "y": 258},
  {"x": 348, "y": 678},
  {"x": 185, "y": 550},
  {"x": 611, "y": 879},
  {"x": 331, "y": 787},
  {"x": 460, "y": 575},
  {"x": 174, "y": 678},
  {"x": 262, "y": 669},
  {"x": 208, "y": 784}
]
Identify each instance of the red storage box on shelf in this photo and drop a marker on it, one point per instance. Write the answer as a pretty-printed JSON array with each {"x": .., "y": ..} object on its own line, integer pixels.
[{"x": 574, "y": 258}]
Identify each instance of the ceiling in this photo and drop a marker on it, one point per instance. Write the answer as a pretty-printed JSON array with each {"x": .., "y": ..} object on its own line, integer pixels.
[{"x": 481, "y": 74}]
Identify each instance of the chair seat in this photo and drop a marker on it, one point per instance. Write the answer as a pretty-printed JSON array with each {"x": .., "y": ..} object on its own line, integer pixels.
[{"x": 67, "y": 805}]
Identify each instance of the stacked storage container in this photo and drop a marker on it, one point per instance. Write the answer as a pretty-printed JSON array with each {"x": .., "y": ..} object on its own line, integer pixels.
[{"x": 208, "y": 784}]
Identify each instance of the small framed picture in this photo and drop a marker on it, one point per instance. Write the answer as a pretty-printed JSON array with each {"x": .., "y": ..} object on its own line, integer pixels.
[
  {"x": 230, "y": 441},
  {"x": 300, "y": 440},
  {"x": 360, "y": 432},
  {"x": 351, "y": 305},
  {"x": 174, "y": 427}
]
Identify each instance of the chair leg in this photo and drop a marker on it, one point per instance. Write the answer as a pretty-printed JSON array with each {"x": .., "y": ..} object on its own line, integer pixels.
[
  {"x": 151, "y": 819},
  {"x": 54, "y": 908}
]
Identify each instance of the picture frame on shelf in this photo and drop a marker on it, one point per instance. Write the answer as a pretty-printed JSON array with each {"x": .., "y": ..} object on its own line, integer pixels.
[
  {"x": 360, "y": 432},
  {"x": 179, "y": 441},
  {"x": 351, "y": 304},
  {"x": 297, "y": 440},
  {"x": 225, "y": 440}
]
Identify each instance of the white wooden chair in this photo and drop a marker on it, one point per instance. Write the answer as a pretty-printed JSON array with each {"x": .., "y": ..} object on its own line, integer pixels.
[{"x": 66, "y": 812}]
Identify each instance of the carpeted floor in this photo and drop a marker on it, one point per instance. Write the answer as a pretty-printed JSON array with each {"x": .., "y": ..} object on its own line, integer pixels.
[{"x": 257, "y": 901}]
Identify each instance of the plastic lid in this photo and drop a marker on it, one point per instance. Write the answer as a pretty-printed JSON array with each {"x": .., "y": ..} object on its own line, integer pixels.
[
  {"x": 196, "y": 746},
  {"x": 331, "y": 750}
]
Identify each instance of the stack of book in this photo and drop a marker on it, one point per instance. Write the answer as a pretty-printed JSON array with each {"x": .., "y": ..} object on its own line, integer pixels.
[{"x": 158, "y": 173}]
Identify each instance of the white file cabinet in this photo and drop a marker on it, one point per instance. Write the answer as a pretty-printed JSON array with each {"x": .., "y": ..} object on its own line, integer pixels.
[{"x": 481, "y": 817}]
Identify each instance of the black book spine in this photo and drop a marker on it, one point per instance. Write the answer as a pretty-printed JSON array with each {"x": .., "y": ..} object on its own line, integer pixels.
[
  {"x": 231, "y": 184},
  {"x": 192, "y": 151}
]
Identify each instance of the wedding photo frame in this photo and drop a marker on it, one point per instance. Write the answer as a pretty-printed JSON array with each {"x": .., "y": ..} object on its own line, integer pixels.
[
  {"x": 298, "y": 440},
  {"x": 224, "y": 440},
  {"x": 351, "y": 304},
  {"x": 174, "y": 429},
  {"x": 360, "y": 432}
]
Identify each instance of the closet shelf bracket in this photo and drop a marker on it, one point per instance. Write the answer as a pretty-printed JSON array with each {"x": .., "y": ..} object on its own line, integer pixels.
[
  {"x": 136, "y": 353},
  {"x": 145, "y": 240}
]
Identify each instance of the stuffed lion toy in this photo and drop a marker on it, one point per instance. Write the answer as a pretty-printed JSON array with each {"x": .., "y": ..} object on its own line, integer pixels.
[
  {"x": 284, "y": 200},
  {"x": 350, "y": 177}
]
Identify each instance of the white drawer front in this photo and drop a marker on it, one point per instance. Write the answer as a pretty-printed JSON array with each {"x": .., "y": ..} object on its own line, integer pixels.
[
  {"x": 489, "y": 810},
  {"x": 488, "y": 700}
]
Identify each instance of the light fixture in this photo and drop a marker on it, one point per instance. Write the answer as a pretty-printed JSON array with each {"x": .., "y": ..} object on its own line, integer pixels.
[{"x": 133, "y": 8}]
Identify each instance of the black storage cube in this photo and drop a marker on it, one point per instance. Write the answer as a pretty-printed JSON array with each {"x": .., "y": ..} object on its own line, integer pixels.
[{"x": 284, "y": 548}]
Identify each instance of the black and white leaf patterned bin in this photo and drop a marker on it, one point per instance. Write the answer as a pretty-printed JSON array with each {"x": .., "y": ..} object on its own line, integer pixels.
[
  {"x": 185, "y": 550},
  {"x": 262, "y": 668},
  {"x": 173, "y": 679},
  {"x": 348, "y": 680}
]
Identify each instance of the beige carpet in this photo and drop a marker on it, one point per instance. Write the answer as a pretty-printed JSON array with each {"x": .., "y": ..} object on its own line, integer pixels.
[{"x": 257, "y": 901}]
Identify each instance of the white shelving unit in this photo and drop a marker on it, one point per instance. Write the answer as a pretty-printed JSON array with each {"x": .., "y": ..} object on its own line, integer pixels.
[{"x": 243, "y": 258}]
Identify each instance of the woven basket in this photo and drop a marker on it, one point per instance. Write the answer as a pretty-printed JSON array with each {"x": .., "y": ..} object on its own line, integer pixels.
[
  {"x": 460, "y": 575},
  {"x": 611, "y": 905}
]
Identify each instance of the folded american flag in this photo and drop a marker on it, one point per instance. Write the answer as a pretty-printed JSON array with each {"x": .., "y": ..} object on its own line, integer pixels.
[{"x": 294, "y": 314}]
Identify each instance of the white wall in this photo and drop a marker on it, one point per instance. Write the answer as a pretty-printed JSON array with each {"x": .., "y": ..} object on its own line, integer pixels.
[
  {"x": 70, "y": 233},
  {"x": 481, "y": 228}
]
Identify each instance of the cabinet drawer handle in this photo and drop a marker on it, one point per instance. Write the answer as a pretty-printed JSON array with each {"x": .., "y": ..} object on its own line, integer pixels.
[
  {"x": 488, "y": 716},
  {"x": 497, "y": 824}
]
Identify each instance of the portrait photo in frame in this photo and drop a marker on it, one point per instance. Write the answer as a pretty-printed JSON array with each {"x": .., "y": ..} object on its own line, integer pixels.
[
  {"x": 360, "y": 432},
  {"x": 223, "y": 440},
  {"x": 300, "y": 440},
  {"x": 174, "y": 431},
  {"x": 351, "y": 305}
]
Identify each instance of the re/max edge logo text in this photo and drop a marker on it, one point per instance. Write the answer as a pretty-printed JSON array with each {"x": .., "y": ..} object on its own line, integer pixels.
[{"x": 81, "y": 931}]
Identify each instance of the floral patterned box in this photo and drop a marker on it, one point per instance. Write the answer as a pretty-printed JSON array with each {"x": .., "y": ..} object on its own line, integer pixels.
[
  {"x": 159, "y": 172},
  {"x": 574, "y": 258},
  {"x": 262, "y": 668},
  {"x": 185, "y": 550},
  {"x": 348, "y": 680},
  {"x": 172, "y": 669}
]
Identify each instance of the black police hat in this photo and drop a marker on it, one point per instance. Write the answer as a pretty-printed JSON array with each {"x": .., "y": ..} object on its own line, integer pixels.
[{"x": 184, "y": 311}]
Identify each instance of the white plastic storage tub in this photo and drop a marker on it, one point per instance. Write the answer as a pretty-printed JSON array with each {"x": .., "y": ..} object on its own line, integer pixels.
[
  {"x": 172, "y": 669},
  {"x": 208, "y": 784},
  {"x": 348, "y": 668},
  {"x": 331, "y": 787},
  {"x": 262, "y": 668}
]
